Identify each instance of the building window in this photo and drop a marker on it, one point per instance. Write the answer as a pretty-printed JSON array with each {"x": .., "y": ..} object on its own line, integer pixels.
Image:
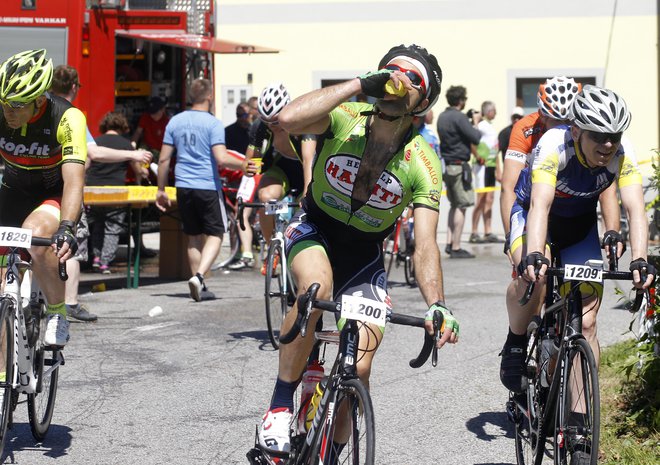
[{"x": 528, "y": 87}]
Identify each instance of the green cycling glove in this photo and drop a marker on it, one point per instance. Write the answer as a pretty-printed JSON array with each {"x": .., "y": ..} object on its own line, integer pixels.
[
  {"x": 373, "y": 83},
  {"x": 448, "y": 322}
]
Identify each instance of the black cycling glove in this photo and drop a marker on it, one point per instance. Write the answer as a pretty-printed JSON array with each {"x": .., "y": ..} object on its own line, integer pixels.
[
  {"x": 536, "y": 259},
  {"x": 644, "y": 268},
  {"x": 373, "y": 83},
  {"x": 610, "y": 238},
  {"x": 66, "y": 233}
]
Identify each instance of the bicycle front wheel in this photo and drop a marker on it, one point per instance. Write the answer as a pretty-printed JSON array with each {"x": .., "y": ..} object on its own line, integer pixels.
[
  {"x": 409, "y": 270},
  {"x": 577, "y": 415},
  {"x": 349, "y": 437},
  {"x": 46, "y": 365},
  {"x": 6, "y": 366},
  {"x": 276, "y": 298}
]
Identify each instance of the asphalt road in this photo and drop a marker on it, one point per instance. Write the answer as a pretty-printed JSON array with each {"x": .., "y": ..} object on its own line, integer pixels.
[{"x": 189, "y": 386}]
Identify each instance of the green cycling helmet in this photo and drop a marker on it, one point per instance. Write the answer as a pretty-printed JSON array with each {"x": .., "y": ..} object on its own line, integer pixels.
[{"x": 25, "y": 76}]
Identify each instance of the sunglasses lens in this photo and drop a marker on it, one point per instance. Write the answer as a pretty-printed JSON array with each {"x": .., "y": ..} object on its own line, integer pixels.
[
  {"x": 415, "y": 79},
  {"x": 602, "y": 137}
]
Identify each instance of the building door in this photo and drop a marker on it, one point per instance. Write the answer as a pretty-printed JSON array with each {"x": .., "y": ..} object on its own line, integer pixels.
[{"x": 230, "y": 97}]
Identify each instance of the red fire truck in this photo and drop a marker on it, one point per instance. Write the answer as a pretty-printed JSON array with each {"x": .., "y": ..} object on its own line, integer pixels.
[{"x": 125, "y": 51}]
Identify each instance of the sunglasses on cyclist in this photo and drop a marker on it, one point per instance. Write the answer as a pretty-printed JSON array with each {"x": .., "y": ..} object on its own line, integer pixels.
[
  {"x": 603, "y": 137},
  {"x": 416, "y": 79}
]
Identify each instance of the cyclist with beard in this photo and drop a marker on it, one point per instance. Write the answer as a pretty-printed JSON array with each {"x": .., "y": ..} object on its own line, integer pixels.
[{"x": 372, "y": 164}]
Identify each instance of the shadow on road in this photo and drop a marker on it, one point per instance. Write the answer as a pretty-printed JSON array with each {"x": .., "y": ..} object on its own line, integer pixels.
[
  {"x": 20, "y": 438},
  {"x": 260, "y": 335},
  {"x": 479, "y": 426}
]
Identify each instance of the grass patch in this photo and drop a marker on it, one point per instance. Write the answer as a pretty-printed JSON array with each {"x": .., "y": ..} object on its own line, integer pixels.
[{"x": 629, "y": 410}]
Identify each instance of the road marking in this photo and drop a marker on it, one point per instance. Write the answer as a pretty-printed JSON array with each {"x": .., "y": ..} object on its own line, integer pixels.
[{"x": 153, "y": 327}]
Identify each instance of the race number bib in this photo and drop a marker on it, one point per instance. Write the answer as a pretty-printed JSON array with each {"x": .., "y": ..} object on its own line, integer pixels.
[
  {"x": 15, "y": 237},
  {"x": 276, "y": 208},
  {"x": 361, "y": 309},
  {"x": 583, "y": 273}
]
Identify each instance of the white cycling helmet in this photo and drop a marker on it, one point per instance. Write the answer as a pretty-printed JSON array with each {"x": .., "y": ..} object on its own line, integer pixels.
[
  {"x": 556, "y": 96},
  {"x": 272, "y": 99},
  {"x": 600, "y": 110}
]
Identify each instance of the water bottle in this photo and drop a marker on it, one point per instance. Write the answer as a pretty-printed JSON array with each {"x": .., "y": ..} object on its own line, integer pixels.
[
  {"x": 314, "y": 402},
  {"x": 310, "y": 379}
]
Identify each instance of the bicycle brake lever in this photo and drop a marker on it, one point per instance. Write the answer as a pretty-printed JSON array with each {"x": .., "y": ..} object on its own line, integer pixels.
[
  {"x": 240, "y": 213},
  {"x": 437, "y": 325},
  {"x": 61, "y": 267}
]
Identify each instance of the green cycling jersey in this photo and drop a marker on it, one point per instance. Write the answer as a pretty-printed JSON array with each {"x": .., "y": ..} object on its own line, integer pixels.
[{"x": 414, "y": 174}]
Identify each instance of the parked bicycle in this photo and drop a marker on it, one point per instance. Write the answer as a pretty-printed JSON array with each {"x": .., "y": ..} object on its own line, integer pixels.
[
  {"x": 343, "y": 412},
  {"x": 279, "y": 292},
  {"x": 399, "y": 247},
  {"x": 27, "y": 366},
  {"x": 558, "y": 414}
]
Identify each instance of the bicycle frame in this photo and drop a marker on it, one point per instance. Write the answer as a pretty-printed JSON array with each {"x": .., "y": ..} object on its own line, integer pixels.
[
  {"x": 343, "y": 369},
  {"x": 23, "y": 293}
]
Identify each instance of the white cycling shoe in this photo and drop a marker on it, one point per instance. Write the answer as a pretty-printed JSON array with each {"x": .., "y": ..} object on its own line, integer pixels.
[
  {"x": 57, "y": 330},
  {"x": 274, "y": 431}
]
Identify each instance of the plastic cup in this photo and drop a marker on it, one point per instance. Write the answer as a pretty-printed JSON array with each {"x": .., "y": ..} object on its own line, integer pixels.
[
  {"x": 259, "y": 162},
  {"x": 100, "y": 287},
  {"x": 157, "y": 310},
  {"x": 398, "y": 91}
]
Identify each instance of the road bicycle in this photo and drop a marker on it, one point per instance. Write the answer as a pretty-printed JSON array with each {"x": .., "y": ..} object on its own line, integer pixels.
[
  {"x": 399, "y": 247},
  {"x": 558, "y": 414},
  {"x": 345, "y": 406},
  {"x": 29, "y": 366},
  {"x": 646, "y": 327},
  {"x": 279, "y": 290}
]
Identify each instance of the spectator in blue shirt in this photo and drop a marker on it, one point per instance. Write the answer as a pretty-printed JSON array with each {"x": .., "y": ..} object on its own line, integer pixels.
[{"x": 199, "y": 140}]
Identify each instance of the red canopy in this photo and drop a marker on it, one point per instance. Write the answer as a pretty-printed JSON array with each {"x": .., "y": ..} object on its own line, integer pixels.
[{"x": 196, "y": 42}]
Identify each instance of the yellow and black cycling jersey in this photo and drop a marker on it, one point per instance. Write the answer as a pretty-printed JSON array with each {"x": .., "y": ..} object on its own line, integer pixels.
[{"x": 34, "y": 153}]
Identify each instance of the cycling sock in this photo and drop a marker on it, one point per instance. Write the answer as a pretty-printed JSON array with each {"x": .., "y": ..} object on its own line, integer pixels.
[
  {"x": 56, "y": 308},
  {"x": 247, "y": 255},
  {"x": 283, "y": 394},
  {"x": 72, "y": 307},
  {"x": 516, "y": 340}
]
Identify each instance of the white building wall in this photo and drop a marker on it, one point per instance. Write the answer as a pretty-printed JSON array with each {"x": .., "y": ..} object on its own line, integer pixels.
[{"x": 481, "y": 44}]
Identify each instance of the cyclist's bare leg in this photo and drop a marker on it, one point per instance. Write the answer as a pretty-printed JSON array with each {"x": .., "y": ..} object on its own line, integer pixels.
[
  {"x": 44, "y": 262},
  {"x": 245, "y": 237},
  {"x": 269, "y": 189},
  {"x": 308, "y": 267},
  {"x": 520, "y": 316},
  {"x": 202, "y": 252},
  {"x": 590, "y": 306}
]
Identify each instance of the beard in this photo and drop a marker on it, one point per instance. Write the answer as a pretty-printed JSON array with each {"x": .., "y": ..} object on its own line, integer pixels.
[{"x": 395, "y": 107}]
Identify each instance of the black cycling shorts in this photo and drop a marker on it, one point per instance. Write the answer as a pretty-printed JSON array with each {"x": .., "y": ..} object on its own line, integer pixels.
[
  {"x": 16, "y": 205},
  {"x": 357, "y": 266},
  {"x": 202, "y": 211}
]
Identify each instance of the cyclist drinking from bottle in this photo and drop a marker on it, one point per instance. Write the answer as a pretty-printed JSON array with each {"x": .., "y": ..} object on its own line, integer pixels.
[
  {"x": 44, "y": 146},
  {"x": 556, "y": 199},
  {"x": 373, "y": 163}
]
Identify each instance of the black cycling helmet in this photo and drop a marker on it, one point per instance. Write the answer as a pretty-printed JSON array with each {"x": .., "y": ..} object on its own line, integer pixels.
[{"x": 430, "y": 64}]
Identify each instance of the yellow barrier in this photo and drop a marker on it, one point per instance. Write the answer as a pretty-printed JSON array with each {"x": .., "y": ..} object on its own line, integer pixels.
[{"x": 123, "y": 195}]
